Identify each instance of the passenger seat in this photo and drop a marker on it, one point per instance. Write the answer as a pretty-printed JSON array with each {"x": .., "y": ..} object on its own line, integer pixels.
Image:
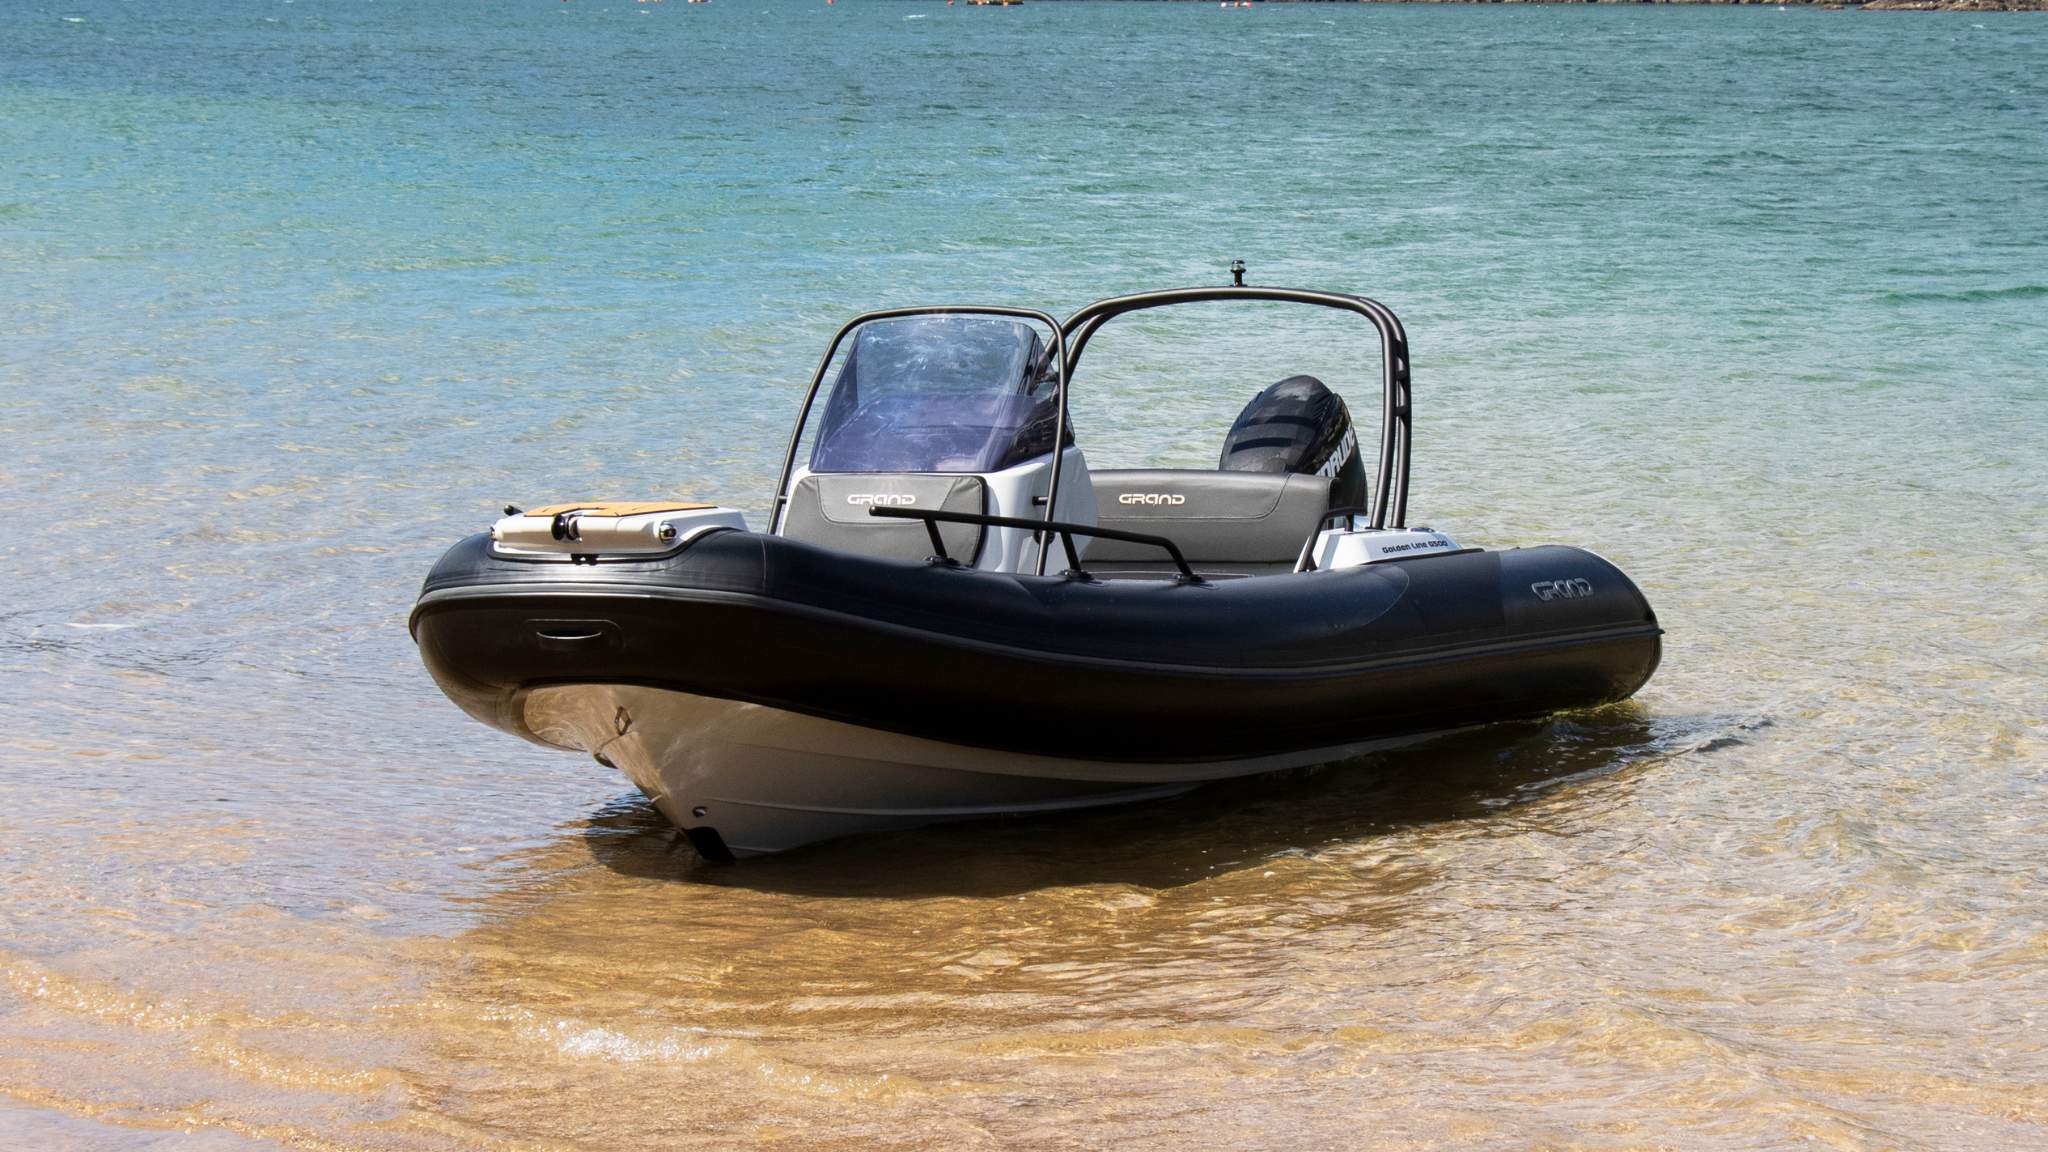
[
  {"x": 830, "y": 509},
  {"x": 1226, "y": 523}
]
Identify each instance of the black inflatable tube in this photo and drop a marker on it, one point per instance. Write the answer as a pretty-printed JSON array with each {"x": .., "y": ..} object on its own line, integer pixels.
[{"x": 1125, "y": 671}]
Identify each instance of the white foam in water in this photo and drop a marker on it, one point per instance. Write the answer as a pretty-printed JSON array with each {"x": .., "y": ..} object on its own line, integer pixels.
[{"x": 573, "y": 1039}]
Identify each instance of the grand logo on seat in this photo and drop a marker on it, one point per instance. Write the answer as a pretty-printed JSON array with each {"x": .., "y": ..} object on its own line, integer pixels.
[
  {"x": 1151, "y": 498},
  {"x": 888, "y": 499}
]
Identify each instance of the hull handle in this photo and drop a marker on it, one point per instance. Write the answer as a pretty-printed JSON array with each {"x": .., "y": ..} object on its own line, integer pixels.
[{"x": 574, "y": 635}]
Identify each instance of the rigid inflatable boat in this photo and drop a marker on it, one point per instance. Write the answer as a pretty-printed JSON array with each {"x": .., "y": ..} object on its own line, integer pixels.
[{"x": 950, "y": 614}]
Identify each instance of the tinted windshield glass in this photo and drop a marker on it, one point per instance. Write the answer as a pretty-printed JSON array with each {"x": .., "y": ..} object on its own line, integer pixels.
[{"x": 937, "y": 394}]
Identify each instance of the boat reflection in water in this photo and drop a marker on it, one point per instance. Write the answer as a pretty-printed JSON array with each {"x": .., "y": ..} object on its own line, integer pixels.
[{"x": 1243, "y": 939}]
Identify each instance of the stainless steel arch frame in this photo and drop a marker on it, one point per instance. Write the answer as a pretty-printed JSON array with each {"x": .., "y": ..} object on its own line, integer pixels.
[{"x": 1389, "y": 507}]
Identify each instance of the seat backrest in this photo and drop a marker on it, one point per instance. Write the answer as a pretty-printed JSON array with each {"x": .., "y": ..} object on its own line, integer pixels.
[
  {"x": 1227, "y": 517},
  {"x": 831, "y": 510}
]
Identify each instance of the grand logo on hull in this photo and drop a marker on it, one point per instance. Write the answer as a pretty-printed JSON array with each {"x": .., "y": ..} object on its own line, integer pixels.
[
  {"x": 886, "y": 499},
  {"x": 1171, "y": 498},
  {"x": 1577, "y": 588}
]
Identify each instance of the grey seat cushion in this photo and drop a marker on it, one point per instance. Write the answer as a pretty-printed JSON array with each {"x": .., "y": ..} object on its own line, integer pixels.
[
  {"x": 1230, "y": 517},
  {"x": 830, "y": 509}
]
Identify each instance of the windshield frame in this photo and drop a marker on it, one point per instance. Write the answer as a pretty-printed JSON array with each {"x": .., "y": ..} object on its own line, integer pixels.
[
  {"x": 937, "y": 394},
  {"x": 1057, "y": 343}
]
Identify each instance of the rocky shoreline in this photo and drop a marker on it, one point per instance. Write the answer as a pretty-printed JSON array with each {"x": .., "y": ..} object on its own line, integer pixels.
[{"x": 1957, "y": 5}]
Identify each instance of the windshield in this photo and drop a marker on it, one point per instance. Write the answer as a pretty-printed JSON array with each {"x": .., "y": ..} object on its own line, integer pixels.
[{"x": 944, "y": 393}]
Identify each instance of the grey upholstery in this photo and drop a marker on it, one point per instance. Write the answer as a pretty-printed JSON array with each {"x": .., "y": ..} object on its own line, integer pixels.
[
  {"x": 1225, "y": 517},
  {"x": 830, "y": 509}
]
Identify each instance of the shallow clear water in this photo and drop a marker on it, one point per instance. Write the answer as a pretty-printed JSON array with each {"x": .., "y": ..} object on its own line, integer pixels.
[{"x": 292, "y": 295}]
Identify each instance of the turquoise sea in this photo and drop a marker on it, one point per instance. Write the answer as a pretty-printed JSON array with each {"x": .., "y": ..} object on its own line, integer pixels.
[{"x": 294, "y": 293}]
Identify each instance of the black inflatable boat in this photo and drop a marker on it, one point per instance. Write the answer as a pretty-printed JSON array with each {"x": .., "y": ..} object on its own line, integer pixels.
[{"x": 948, "y": 616}]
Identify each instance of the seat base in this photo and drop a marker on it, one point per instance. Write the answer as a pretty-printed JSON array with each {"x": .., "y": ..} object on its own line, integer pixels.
[{"x": 1166, "y": 570}]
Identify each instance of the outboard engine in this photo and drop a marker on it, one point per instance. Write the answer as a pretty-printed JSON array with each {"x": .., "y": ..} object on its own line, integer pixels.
[{"x": 1299, "y": 425}]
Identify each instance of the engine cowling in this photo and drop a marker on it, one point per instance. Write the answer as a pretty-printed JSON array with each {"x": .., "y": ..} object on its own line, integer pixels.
[{"x": 1298, "y": 425}]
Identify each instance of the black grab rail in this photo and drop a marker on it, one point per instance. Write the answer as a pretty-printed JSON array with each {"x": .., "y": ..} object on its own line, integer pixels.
[
  {"x": 1065, "y": 531},
  {"x": 1351, "y": 513}
]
